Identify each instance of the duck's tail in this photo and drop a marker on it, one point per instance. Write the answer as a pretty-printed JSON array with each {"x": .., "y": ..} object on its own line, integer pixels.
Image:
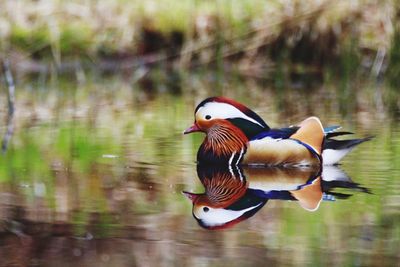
[
  {"x": 311, "y": 133},
  {"x": 334, "y": 150}
]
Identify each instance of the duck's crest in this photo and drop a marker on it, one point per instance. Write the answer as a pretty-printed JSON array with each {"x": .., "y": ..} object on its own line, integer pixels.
[{"x": 239, "y": 106}]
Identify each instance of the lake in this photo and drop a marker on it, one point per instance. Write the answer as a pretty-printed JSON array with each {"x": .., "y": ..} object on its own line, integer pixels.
[{"x": 94, "y": 172}]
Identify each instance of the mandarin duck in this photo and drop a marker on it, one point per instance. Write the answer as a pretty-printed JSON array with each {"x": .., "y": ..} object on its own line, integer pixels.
[
  {"x": 237, "y": 135},
  {"x": 235, "y": 194}
]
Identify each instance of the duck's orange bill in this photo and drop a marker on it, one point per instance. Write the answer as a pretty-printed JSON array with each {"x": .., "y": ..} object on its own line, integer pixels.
[{"x": 191, "y": 129}]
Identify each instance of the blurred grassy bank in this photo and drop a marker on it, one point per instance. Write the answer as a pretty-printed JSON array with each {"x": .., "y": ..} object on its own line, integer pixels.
[{"x": 257, "y": 36}]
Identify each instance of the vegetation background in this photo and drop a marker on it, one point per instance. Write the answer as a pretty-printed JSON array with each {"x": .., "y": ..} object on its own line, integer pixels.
[{"x": 257, "y": 36}]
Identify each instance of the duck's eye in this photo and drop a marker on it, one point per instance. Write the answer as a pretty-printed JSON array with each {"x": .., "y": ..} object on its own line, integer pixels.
[
  {"x": 206, "y": 209},
  {"x": 208, "y": 117}
]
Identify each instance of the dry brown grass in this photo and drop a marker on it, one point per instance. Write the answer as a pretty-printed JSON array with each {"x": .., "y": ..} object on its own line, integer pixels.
[{"x": 201, "y": 30}]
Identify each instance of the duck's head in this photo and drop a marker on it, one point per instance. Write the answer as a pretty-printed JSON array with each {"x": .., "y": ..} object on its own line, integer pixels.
[
  {"x": 216, "y": 217},
  {"x": 226, "y": 201},
  {"x": 217, "y": 110}
]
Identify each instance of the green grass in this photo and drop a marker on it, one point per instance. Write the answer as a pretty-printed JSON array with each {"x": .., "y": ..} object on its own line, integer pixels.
[{"x": 61, "y": 30}]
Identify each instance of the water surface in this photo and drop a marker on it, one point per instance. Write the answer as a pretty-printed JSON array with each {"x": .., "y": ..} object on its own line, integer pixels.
[{"x": 94, "y": 172}]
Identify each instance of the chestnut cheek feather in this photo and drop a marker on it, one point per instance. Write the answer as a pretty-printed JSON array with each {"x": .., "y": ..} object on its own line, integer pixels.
[
  {"x": 222, "y": 189},
  {"x": 205, "y": 124},
  {"x": 224, "y": 139}
]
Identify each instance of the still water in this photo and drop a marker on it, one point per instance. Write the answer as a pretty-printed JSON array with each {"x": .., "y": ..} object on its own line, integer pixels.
[{"x": 94, "y": 172}]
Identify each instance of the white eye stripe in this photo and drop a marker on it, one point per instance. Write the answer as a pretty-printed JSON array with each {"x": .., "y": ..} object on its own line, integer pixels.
[
  {"x": 222, "y": 111},
  {"x": 215, "y": 217}
]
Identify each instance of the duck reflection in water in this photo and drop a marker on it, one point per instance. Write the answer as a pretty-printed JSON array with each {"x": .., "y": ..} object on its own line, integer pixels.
[{"x": 234, "y": 194}]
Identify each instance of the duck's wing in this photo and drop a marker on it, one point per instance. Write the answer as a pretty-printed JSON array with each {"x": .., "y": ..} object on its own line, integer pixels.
[
  {"x": 334, "y": 134},
  {"x": 286, "y": 132},
  {"x": 316, "y": 139},
  {"x": 308, "y": 132},
  {"x": 298, "y": 145},
  {"x": 282, "y": 133},
  {"x": 311, "y": 134},
  {"x": 331, "y": 129}
]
